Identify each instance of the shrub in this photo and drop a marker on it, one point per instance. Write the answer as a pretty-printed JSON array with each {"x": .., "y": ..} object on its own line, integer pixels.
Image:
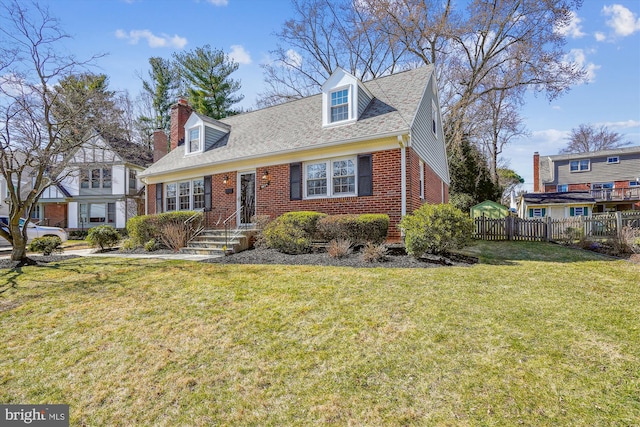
[
  {"x": 374, "y": 253},
  {"x": 436, "y": 229},
  {"x": 103, "y": 236},
  {"x": 261, "y": 222},
  {"x": 292, "y": 232},
  {"x": 143, "y": 228},
  {"x": 359, "y": 229},
  {"x": 151, "y": 245},
  {"x": 127, "y": 245},
  {"x": 78, "y": 234},
  {"x": 47, "y": 245},
  {"x": 339, "y": 248},
  {"x": 175, "y": 235}
]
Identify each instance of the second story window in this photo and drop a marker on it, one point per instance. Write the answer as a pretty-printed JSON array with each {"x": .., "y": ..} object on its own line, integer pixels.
[
  {"x": 579, "y": 165},
  {"x": 95, "y": 178},
  {"x": 193, "y": 145},
  {"x": 562, "y": 188},
  {"x": 133, "y": 179},
  {"x": 339, "y": 105}
]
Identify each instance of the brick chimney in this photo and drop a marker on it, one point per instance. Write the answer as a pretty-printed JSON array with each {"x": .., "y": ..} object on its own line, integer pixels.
[
  {"x": 180, "y": 113},
  {"x": 160, "y": 144},
  {"x": 536, "y": 172}
]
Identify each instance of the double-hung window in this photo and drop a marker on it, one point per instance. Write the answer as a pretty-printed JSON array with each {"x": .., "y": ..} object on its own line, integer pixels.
[
  {"x": 184, "y": 195},
  {"x": 133, "y": 179},
  {"x": 330, "y": 178},
  {"x": 193, "y": 145},
  {"x": 562, "y": 188},
  {"x": 579, "y": 165},
  {"x": 96, "y": 178},
  {"x": 339, "y": 105}
]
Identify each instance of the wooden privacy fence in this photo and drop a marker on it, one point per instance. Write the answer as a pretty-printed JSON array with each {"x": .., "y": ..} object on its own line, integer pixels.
[{"x": 599, "y": 226}]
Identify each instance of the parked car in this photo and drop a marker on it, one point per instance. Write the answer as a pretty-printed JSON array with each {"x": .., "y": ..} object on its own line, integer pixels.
[{"x": 33, "y": 230}]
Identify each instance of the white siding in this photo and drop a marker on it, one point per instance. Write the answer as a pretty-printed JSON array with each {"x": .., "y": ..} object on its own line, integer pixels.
[
  {"x": 119, "y": 181},
  {"x": 121, "y": 214},
  {"x": 73, "y": 214}
]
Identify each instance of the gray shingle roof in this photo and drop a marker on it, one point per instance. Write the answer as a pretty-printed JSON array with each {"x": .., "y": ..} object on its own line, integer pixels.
[
  {"x": 558, "y": 198},
  {"x": 297, "y": 125}
]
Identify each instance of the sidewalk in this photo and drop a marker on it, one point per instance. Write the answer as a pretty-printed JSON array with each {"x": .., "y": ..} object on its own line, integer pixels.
[{"x": 5, "y": 251}]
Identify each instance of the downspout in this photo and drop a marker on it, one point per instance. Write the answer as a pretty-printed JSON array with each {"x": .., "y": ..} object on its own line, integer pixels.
[
  {"x": 403, "y": 176},
  {"x": 146, "y": 195}
]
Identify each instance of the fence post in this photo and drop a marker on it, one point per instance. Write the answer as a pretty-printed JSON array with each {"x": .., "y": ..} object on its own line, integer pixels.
[
  {"x": 618, "y": 223},
  {"x": 548, "y": 230}
]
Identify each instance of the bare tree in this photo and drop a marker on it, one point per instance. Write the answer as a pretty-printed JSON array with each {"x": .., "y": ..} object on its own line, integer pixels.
[
  {"x": 587, "y": 138},
  {"x": 323, "y": 36},
  {"x": 34, "y": 146}
]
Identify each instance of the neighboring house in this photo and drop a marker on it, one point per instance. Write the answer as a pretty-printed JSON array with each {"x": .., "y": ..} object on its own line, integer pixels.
[
  {"x": 611, "y": 177},
  {"x": 100, "y": 186},
  {"x": 556, "y": 205},
  {"x": 374, "y": 147}
]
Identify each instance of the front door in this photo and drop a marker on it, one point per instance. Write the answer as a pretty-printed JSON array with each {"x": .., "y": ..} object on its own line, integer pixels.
[{"x": 247, "y": 197}]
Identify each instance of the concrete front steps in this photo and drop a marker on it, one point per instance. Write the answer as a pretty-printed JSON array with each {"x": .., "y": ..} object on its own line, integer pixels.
[{"x": 214, "y": 242}]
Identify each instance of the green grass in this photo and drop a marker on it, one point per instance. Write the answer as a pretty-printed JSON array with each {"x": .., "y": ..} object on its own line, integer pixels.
[{"x": 536, "y": 334}]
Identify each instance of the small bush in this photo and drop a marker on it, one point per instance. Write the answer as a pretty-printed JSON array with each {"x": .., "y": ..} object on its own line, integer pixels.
[
  {"x": 339, "y": 248},
  {"x": 47, "y": 245},
  {"x": 78, "y": 234},
  {"x": 143, "y": 228},
  {"x": 127, "y": 245},
  {"x": 151, "y": 245},
  {"x": 375, "y": 253},
  {"x": 292, "y": 232},
  {"x": 261, "y": 222},
  {"x": 436, "y": 229},
  {"x": 631, "y": 237},
  {"x": 175, "y": 235},
  {"x": 359, "y": 229},
  {"x": 103, "y": 236}
]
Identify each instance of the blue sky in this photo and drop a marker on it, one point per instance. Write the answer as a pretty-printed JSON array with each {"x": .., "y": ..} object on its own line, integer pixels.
[{"x": 604, "y": 37}]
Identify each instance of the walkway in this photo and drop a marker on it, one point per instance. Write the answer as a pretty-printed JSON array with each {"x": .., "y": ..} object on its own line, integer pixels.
[{"x": 5, "y": 251}]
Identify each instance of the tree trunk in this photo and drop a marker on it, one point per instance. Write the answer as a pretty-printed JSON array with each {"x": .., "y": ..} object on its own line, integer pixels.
[{"x": 19, "y": 251}]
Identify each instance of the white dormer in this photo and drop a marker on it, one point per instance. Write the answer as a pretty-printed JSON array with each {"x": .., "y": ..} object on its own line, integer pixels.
[
  {"x": 344, "y": 99},
  {"x": 202, "y": 133}
]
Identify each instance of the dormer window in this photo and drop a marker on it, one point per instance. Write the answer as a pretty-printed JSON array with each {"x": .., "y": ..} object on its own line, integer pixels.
[
  {"x": 193, "y": 145},
  {"x": 339, "y": 105}
]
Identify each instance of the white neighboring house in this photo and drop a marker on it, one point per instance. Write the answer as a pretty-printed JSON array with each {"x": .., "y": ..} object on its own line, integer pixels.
[{"x": 100, "y": 186}]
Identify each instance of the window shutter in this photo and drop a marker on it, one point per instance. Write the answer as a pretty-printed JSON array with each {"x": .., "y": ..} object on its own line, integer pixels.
[
  {"x": 365, "y": 175},
  {"x": 158, "y": 197},
  {"x": 295, "y": 181},
  {"x": 586, "y": 211},
  {"x": 544, "y": 212},
  {"x": 207, "y": 193},
  {"x": 572, "y": 212},
  {"x": 530, "y": 213}
]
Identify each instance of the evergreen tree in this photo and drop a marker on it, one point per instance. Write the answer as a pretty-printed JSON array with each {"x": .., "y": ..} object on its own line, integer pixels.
[
  {"x": 161, "y": 88},
  {"x": 205, "y": 72}
]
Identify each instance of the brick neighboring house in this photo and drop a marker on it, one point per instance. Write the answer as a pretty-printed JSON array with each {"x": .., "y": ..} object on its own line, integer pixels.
[
  {"x": 374, "y": 147},
  {"x": 100, "y": 186},
  {"x": 611, "y": 177}
]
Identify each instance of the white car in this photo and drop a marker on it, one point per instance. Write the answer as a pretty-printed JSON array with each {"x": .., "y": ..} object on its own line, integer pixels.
[{"x": 34, "y": 230}]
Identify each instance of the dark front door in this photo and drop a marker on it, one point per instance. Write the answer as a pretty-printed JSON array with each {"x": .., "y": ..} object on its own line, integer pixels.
[{"x": 247, "y": 197}]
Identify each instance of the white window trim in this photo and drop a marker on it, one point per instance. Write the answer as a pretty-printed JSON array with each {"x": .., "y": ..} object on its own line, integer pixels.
[
  {"x": 351, "y": 102},
  {"x": 330, "y": 193},
  {"x": 177, "y": 196},
  {"x": 611, "y": 160},
  {"x": 187, "y": 140},
  {"x": 580, "y": 166},
  {"x": 421, "y": 180}
]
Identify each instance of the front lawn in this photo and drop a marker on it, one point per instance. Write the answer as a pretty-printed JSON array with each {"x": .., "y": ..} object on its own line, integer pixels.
[{"x": 537, "y": 334}]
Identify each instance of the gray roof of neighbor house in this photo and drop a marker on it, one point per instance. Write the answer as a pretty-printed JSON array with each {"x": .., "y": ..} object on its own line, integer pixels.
[
  {"x": 131, "y": 152},
  {"x": 558, "y": 198},
  {"x": 297, "y": 125},
  {"x": 546, "y": 175}
]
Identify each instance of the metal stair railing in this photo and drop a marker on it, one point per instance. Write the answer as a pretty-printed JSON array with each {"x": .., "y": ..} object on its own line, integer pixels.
[{"x": 227, "y": 226}]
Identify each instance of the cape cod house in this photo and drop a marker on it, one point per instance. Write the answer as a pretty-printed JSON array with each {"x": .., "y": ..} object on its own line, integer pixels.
[
  {"x": 100, "y": 186},
  {"x": 372, "y": 147}
]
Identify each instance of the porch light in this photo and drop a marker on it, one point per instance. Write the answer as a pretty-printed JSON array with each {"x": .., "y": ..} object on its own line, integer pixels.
[
  {"x": 265, "y": 178},
  {"x": 225, "y": 181}
]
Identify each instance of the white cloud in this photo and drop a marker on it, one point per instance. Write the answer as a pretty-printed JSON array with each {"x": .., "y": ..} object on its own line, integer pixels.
[
  {"x": 600, "y": 37},
  {"x": 239, "y": 55},
  {"x": 573, "y": 29},
  {"x": 154, "y": 41},
  {"x": 294, "y": 58},
  {"x": 578, "y": 56},
  {"x": 621, "y": 20},
  {"x": 622, "y": 125},
  {"x": 219, "y": 2}
]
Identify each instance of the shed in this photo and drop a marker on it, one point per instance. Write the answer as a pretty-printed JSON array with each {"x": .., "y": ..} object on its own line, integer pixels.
[{"x": 489, "y": 209}]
